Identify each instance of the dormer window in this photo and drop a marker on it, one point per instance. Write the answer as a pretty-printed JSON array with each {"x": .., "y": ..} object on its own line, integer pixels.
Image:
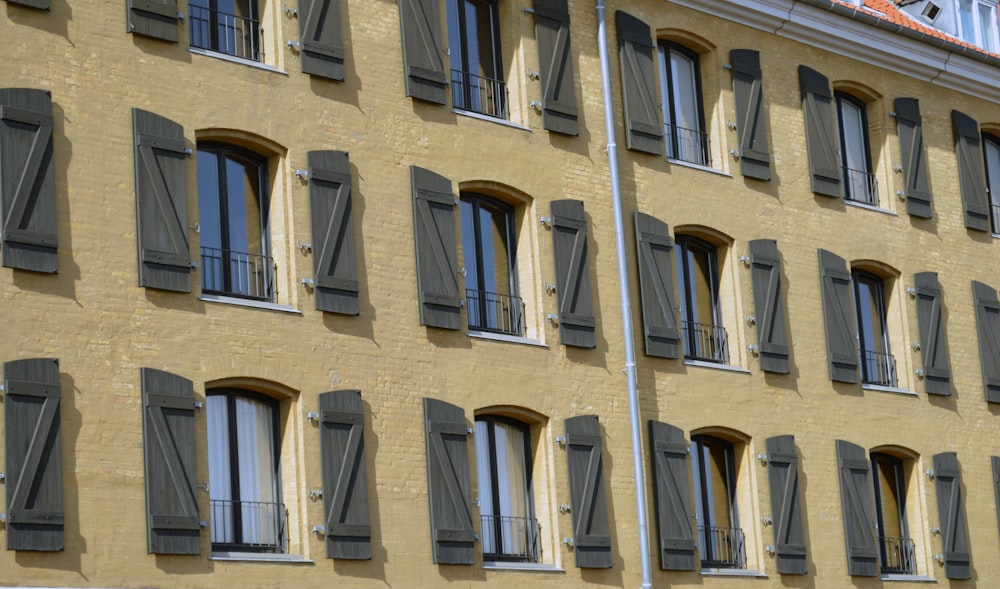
[
  {"x": 931, "y": 11},
  {"x": 978, "y": 23}
]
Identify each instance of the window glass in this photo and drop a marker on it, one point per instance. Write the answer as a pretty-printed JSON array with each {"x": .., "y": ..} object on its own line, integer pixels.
[
  {"x": 720, "y": 539},
  {"x": 877, "y": 363},
  {"x": 991, "y": 153},
  {"x": 895, "y": 546},
  {"x": 987, "y": 16},
  {"x": 474, "y": 45},
  {"x": 702, "y": 331},
  {"x": 682, "y": 114},
  {"x": 503, "y": 467},
  {"x": 490, "y": 266},
  {"x": 859, "y": 181}
]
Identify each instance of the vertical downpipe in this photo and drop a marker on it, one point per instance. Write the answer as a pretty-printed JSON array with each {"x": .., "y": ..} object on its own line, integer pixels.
[{"x": 633, "y": 398}]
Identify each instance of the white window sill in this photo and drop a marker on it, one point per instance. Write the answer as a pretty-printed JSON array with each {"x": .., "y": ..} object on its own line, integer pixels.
[
  {"x": 732, "y": 573},
  {"x": 713, "y": 365},
  {"x": 259, "y": 557},
  {"x": 482, "y": 117},
  {"x": 522, "y": 566},
  {"x": 505, "y": 338},
  {"x": 885, "y": 389},
  {"x": 232, "y": 58},
  {"x": 211, "y": 298},
  {"x": 693, "y": 166},
  {"x": 862, "y": 205},
  {"x": 908, "y": 578}
]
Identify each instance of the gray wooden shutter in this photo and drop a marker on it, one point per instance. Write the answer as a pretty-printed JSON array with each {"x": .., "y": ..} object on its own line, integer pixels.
[
  {"x": 656, "y": 286},
  {"x": 951, "y": 510},
  {"x": 769, "y": 305},
  {"x": 322, "y": 40},
  {"x": 173, "y": 524},
  {"x": 821, "y": 135},
  {"x": 422, "y": 62},
  {"x": 988, "y": 326},
  {"x": 334, "y": 258},
  {"x": 748, "y": 93},
  {"x": 154, "y": 18},
  {"x": 913, "y": 158},
  {"x": 995, "y": 462},
  {"x": 161, "y": 202},
  {"x": 555, "y": 64},
  {"x": 672, "y": 496},
  {"x": 437, "y": 252},
  {"x": 588, "y": 504},
  {"x": 42, "y": 4},
  {"x": 27, "y": 180},
  {"x": 838, "y": 315},
  {"x": 345, "y": 483},
  {"x": 33, "y": 448},
  {"x": 786, "y": 511},
  {"x": 856, "y": 501},
  {"x": 569, "y": 245},
  {"x": 933, "y": 343},
  {"x": 971, "y": 176},
  {"x": 448, "y": 488},
  {"x": 643, "y": 128}
]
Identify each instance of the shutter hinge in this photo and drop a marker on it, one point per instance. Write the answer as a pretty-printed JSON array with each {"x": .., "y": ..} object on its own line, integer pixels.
[
  {"x": 319, "y": 530},
  {"x": 766, "y": 521},
  {"x": 568, "y": 542},
  {"x": 305, "y": 247},
  {"x": 289, "y": 11},
  {"x": 552, "y": 318},
  {"x": 3, "y": 519},
  {"x": 897, "y": 168},
  {"x": 312, "y": 416},
  {"x": 2, "y": 476},
  {"x": 547, "y": 221},
  {"x": 912, "y": 292},
  {"x": 930, "y": 475},
  {"x": 735, "y": 153},
  {"x": 939, "y": 558},
  {"x": 727, "y": 66},
  {"x": 892, "y": 113},
  {"x": 308, "y": 282},
  {"x": 549, "y": 287},
  {"x": 762, "y": 459},
  {"x": 199, "y": 405},
  {"x": 301, "y": 174},
  {"x": 181, "y": 16},
  {"x": 561, "y": 441},
  {"x": 935, "y": 531},
  {"x": 745, "y": 260},
  {"x": 202, "y": 523},
  {"x": 731, "y": 125},
  {"x": 188, "y": 151},
  {"x": 919, "y": 373},
  {"x": 753, "y": 349},
  {"x": 901, "y": 194},
  {"x": 536, "y": 104},
  {"x": 533, "y": 75},
  {"x": 769, "y": 550},
  {"x": 315, "y": 494},
  {"x": 565, "y": 508},
  {"x": 203, "y": 486},
  {"x": 751, "y": 320},
  {"x": 293, "y": 45},
  {"x": 915, "y": 346},
  {"x": 194, "y": 265},
  {"x": 529, "y": 10}
]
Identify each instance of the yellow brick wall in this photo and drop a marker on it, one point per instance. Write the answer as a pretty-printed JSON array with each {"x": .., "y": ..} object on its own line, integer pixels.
[{"x": 103, "y": 327}]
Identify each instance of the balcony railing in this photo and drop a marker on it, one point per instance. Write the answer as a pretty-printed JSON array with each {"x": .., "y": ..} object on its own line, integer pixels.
[
  {"x": 861, "y": 186},
  {"x": 238, "y": 274},
  {"x": 248, "y": 526},
  {"x": 722, "y": 548},
  {"x": 898, "y": 557},
  {"x": 705, "y": 342},
  {"x": 878, "y": 368},
  {"x": 231, "y": 34},
  {"x": 687, "y": 145},
  {"x": 510, "y": 539},
  {"x": 490, "y": 311},
  {"x": 479, "y": 94}
]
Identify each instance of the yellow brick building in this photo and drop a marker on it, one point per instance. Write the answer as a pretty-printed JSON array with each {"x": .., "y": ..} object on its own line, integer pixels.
[{"x": 327, "y": 293}]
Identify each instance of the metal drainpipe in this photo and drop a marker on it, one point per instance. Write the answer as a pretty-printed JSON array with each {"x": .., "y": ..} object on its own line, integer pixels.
[{"x": 633, "y": 398}]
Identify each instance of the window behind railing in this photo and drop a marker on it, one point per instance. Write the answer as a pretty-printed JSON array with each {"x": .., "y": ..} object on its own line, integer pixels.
[
  {"x": 878, "y": 368},
  {"x": 705, "y": 342},
  {"x": 861, "y": 186},
  {"x": 897, "y": 556},
  {"x": 490, "y": 311},
  {"x": 687, "y": 145},
  {"x": 510, "y": 539},
  {"x": 722, "y": 548},
  {"x": 248, "y": 526},
  {"x": 237, "y": 274},
  {"x": 479, "y": 94},
  {"x": 219, "y": 31}
]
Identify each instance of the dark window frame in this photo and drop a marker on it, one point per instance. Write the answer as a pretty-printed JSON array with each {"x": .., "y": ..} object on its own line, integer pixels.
[
  {"x": 499, "y": 312},
  {"x": 896, "y": 555},
  {"x": 702, "y": 154},
  {"x": 206, "y": 13},
  {"x": 721, "y": 544},
  {"x": 702, "y": 341},
  {"x": 994, "y": 190},
  {"x": 878, "y": 366},
  {"x": 472, "y": 91},
  {"x": 855, "y": 179}
]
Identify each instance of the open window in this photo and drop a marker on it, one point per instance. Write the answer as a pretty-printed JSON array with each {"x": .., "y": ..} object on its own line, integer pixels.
[
  {"x": 878, "y": 365},
  {"x": 229, "y": 27},
  {"x": 890, "y": 479},
  {"x": 683, "y": 117},
  {"x": 978, "y": 23},
  {"x": 704, "y": 338},
  {"x": 860, "y": 184},
  {"x": 991, "y": 157},
  {"x": 489, "y": 243},
  {"x": 477, "y": 74},
  {"x": 720, "y": 538}
]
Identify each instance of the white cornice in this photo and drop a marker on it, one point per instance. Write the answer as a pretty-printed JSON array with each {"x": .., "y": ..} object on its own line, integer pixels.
[{"x": 861, "y": 41}]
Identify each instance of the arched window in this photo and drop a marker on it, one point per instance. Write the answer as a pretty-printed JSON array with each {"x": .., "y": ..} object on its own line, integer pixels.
[
  {"x": 233, "y": 218},
  {"x": 247, "y": 513},
  {"x": 878, "y": 366},
  {"x": 702, "y": 331},
  {"x": 489, "y": 244},
  {"x": 896, "y": 551},
  {"x": 720, "y": 539},
  {"x": 855, "y": 154},
  {"x": 683, "y": 118}
]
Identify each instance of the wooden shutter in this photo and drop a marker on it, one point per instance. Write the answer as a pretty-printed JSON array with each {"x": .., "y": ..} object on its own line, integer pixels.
[
  {"x": 751, "y": 128},
  {"x": 42, "y": 4},
  {"x": 656, "y": 286},
  {"x": 173, "y": 524},
  {"x": 856, "y": 501},
  {"x": 154, "y": 18},
  {"x": 951, "y": 510},
  {"x": 672, "y": 496},
  {"x": 27, "y": 180},
  {"x": 821, "y": 134},
  {"x": 33, "y": 449},
  {"x": 437, "y": 252},
  {"x": 933, "y": 343},
  {"x": 971, "y": 177},
  {"x": 769, "y": 305},
  {"x": 345, "y": 484},
  {"x": 448, "y": 488},
  {"x": 913, "y": 158},
  {"x": 995, "y": 462},
  {"x": 569, "y": 245},
  {"x": 161, "y": 202},
  {"x": 786, "y": 510},
  {"x": 588, "y": 504},
  {"x": 838, "y": 315},
  {"x": 422, "y": 62},
  {"x": 988, "y": 326},
  {"x": 322, "y": 40},
  {"x": 555, "y": 64},
  {"x": 643, "y": 128},
  {"x": 334, "y": 258}
]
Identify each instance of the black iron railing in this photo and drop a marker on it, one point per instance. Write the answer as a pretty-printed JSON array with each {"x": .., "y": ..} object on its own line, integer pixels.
[
  {"x": 479, "y": 94},
  {"x": 490, "y": 311},
  {"x": 510, "y": 539},
  {"x": 722, "y": 548},
  {"x": 687, "y": 145},
  {"x": 248, "y": 526},
  {"x": 898, "y": 556},
  {"x": 860, "y": 186},
  {"x": 705, "y": 342},
  {"x": 878, "y": 368},
  {"x": 238, "y": 274},
  {"x": 231, "y": 34}
]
